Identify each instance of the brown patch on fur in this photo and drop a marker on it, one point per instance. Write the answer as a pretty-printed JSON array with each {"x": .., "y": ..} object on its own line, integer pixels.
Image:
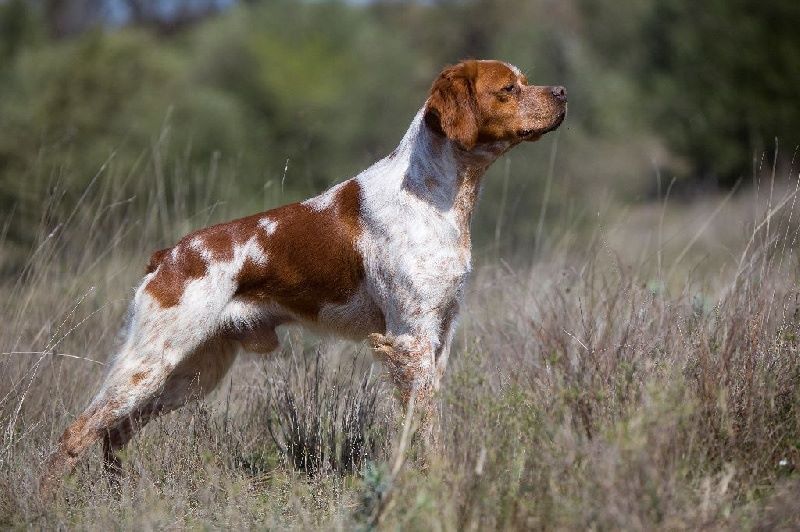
[
  {"x": 138, "y": 377},
  {"x": 217, "y": 239},
  {"x": 452, "y": 105},
  {"x": 172, "y": 274},
  {"x": 464, "y": 204},
  {"x": 72, "y": 433},
  {"x": 311, "y": 256},
  {"x": 169, "y": 282},
  {"x": 75, "y": 441},
  {"x": 219, "y": 243},
  {"x": 85, "y": 428},
  {"x": 155, "y": 259}
]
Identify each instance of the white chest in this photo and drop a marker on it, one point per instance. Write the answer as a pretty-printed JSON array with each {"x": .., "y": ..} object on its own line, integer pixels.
[
  {"x": 415, "y": 210},
  {"x": 416, "y": 259}
]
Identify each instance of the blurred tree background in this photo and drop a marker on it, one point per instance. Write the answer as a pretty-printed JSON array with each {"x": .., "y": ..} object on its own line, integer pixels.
[{"x": 292, "y": 96}]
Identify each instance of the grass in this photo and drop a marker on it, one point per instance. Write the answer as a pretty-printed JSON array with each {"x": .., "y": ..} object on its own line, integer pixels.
[{"x": 641, "y": 374}]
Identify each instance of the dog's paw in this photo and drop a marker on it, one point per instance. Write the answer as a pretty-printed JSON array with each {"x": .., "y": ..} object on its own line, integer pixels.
[{"x": 381, "y": 342}]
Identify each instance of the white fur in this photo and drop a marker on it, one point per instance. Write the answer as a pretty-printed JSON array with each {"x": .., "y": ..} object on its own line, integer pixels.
[
  {"x": 324, "y": 200},
  {"x": 268, "y": 225},
  {"x": 410, "y": 243}
]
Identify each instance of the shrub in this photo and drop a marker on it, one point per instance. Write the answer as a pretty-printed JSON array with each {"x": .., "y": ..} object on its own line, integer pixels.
[{"x": 326, "y": 421}]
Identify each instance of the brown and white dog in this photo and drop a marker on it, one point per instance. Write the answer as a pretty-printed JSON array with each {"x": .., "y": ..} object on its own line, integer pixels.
[{"x": 383, "y": 255}]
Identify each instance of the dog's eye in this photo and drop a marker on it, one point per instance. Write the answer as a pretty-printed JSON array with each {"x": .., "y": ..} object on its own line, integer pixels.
[{"x": 509, "y": 88}]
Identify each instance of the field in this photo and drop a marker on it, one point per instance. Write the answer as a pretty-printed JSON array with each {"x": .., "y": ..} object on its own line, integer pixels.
[{"x": 641, "y": 373}]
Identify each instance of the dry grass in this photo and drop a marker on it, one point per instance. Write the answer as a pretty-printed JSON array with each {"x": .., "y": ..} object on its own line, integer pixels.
[
  {"x": 646, "y": 375},
  {"x": 325, "y": 421}
]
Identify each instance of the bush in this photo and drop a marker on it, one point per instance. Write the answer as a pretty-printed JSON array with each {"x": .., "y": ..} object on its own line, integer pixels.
[
  {"x": 326, "y": 421},
  {"x": 723, "y": 80}
]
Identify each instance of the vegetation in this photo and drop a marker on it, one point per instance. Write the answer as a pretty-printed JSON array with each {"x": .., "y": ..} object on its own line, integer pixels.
[
  {"x": 637, "y": 378},
  {"x": 723, "y": 78},
  {"x": 628, "y": 356},
  {"x": 298, "y": 95}
]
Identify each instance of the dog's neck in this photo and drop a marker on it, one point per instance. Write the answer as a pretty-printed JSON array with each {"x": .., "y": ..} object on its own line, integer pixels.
[{"x": 443, "y": 174}]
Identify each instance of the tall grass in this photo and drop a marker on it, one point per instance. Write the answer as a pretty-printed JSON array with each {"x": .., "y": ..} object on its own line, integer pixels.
[
  {"x": 325, "y": 421},
  {"x": 642, "y": 374}
]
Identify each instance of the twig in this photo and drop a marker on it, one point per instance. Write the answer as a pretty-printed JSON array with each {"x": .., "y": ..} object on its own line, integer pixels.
[{"x": 67, "y": 355}]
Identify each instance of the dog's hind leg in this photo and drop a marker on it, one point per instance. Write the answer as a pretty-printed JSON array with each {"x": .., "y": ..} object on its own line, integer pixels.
[
  {"x": 172, "y": 355},
  {"x": 133, "y": 397},
  {"x": 196, "y": 376},
  {"x": 178, "y": 344},
  {"x": 114, "y": 440}
]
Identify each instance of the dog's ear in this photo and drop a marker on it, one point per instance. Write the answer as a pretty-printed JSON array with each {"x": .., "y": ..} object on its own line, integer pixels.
[{"x": 452, "y": 109}]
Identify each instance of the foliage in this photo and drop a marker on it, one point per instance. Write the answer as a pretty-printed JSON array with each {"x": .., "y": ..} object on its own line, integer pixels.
[
  {"x": 303, "y": 94},
  {"x": 325, "y": 421},
  {"x": 723, "y": 77},
  {"x": 291, "y": 95}
]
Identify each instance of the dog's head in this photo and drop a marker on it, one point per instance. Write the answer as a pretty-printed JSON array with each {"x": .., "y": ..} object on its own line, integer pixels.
[{"x": 476, "y": 102}]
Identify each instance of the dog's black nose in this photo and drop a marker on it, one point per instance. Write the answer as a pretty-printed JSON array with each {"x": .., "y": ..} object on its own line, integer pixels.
[{"x": 560, "y": 93}]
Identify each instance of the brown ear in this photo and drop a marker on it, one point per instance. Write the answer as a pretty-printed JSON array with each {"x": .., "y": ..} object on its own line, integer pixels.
[{"x": 452, "y": 108}]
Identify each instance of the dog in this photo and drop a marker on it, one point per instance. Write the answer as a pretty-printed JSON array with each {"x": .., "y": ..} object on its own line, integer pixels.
[{"x": 384, "y": 255}]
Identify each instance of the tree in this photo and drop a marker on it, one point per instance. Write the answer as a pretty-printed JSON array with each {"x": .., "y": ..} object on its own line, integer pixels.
[{"x": 723, "y": 75}]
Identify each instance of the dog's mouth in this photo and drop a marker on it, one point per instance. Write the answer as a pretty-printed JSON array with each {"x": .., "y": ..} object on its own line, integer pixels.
[{"x": 534, "y": 134}]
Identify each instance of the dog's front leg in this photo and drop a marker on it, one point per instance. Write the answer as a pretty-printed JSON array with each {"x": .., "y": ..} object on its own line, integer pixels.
[
  {"x": 445, "y": 342},
  {"x": 411, "y": 364}
]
